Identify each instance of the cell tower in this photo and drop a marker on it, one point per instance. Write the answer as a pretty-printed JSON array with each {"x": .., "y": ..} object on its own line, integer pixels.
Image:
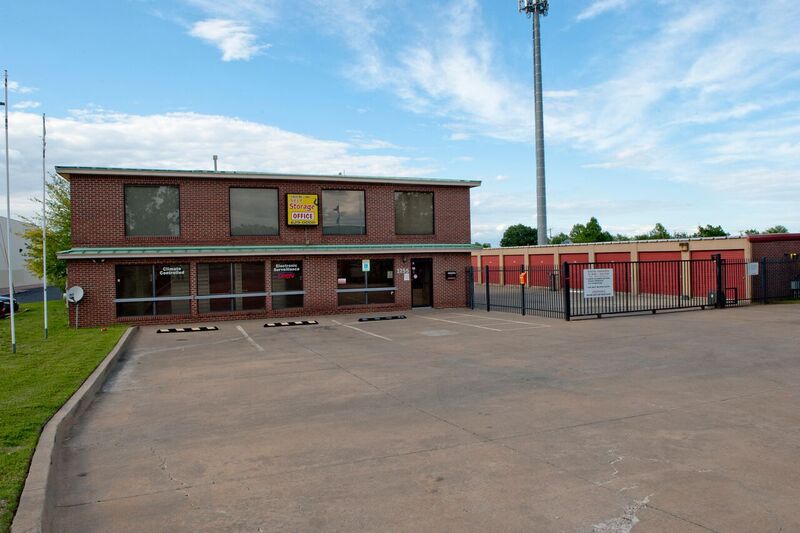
[{"x": 534, "y": 8}]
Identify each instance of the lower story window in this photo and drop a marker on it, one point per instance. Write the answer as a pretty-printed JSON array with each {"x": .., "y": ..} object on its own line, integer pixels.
[
  {"x": 230, "y": 287},
  {"x": 357, "y": 287},
  {"x": 287, "y": 284},
  {"x": 152, "y": 290}
]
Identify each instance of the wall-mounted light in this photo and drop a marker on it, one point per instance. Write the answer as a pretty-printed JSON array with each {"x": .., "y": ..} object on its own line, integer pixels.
[{"x": 684, "y": 246}]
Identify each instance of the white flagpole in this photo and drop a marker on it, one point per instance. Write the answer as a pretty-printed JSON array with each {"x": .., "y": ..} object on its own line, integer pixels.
[
  {"x": 44, "y": 222},
  {"x": 8, "y": 224}
]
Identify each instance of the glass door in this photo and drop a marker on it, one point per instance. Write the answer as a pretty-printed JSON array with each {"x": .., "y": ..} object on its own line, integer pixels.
[{"x": 421, "y": 282}]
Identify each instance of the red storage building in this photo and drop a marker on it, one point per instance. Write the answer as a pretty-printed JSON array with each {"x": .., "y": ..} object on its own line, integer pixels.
[
  {"x": 512, "y": 267},
  {"x": 620, "y": 263},
  {"x": 541, "y": 268},
  {"x": 660, "y": 273}
]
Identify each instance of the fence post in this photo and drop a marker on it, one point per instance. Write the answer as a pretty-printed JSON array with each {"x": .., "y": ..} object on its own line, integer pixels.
[
  {"x": 486, "y": 281},
  {"x": 522, "y": 287},
  {"x": 471, "y": 287},
  {"x": 720, "y": 303},
  {"x": 567, "y": 302},
  {"x": 764, "y": 298}
]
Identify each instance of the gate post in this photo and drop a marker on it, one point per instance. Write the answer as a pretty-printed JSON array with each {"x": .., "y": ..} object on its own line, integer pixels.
[
  {"x": 471, "y": 287},
  {"x": 522, "y": 286},
  {"x": 720, "y": 303},
  {"x": 486, "y": 281},
  {"x": 764, "y": 298},
  {"x": 567, "y": 302}
]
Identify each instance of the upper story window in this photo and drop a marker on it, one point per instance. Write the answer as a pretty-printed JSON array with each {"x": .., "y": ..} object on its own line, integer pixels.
[
  {"x": 343, "y": 213},
  {"x": 152, "y": 211},
  {"x": 254, "y": 211},
  {"x": 413, "y": 213}
]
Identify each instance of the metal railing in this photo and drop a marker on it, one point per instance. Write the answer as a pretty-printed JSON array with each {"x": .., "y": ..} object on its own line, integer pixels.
[{"x": 631, "y": 286}]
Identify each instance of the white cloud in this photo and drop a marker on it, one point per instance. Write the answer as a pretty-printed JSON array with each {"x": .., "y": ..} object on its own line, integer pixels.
[
  {"x": 251, "y": 10},
  {"x": 26, "y": 104},
  {"x": 235, "y": 40},
  {"x": 598, "y": 7},
  {"x": 15, "y": 87},
  {"x": 180, "y": 140}
]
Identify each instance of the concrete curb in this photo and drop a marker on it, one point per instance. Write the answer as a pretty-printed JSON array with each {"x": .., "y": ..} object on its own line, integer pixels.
[{"x": 37, "y": 502}]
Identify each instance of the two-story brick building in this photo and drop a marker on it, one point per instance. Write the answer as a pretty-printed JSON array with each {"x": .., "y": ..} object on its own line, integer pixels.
[{"x": 182, "y": 246}]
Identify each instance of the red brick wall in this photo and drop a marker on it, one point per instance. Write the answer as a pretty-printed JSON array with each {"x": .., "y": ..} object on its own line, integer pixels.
[
  {"x": 98, "y": 213},
  {"x": 778, "y": 249},
  {"x": 319, "y": 278}
]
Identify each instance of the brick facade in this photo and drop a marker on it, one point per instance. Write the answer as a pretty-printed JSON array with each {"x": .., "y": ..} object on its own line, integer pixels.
[
  {"x": 96, "y": 277},
  {"x": 98, "y": 221},
  {"x": 776, "y": 246},
  {"x": 98, "y": 208}
]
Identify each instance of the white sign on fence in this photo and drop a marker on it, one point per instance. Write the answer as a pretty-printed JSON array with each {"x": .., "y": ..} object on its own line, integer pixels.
[
  {"x": 752, "y": 269},
  {"x": 598, "y": 283}
]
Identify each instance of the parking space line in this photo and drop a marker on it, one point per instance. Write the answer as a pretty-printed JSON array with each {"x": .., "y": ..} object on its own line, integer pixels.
[
  {"x": 361, "y": 330},
  {"x": 250, "y": 339},
  {"x": 459, "y": 323},
  {"x": 532, "y": 326},
  {"x": 506, "y": 320}
]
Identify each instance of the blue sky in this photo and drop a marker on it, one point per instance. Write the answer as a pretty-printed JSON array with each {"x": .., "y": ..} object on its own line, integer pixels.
[{"x": 677, "y": 112}]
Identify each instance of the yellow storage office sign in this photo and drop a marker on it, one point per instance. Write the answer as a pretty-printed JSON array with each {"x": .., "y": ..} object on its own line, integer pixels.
[{"x": 302, "y": 209}]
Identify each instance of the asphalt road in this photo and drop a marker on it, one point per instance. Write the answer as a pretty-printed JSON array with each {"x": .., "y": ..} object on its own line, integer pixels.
[{"x": 448, "y": 421}]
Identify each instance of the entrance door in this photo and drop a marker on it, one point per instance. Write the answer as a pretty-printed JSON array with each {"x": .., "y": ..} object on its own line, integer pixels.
[{"x": 421, "y": 282}]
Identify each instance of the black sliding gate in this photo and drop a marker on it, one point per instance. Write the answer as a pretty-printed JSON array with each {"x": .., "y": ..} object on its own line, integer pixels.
[{"x": 577, "y": 290}]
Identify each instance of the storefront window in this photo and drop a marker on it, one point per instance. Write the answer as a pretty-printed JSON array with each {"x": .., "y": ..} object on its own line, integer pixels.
[
  {"x": 254, "y": 211},
  {"x": 356, "y": 287},
  {"x": 230, "y": 287},
  {"x": 413, "y": 213},
  {"x": 343, "y": 213},
  {"x": 152, "y": 290},
  {"x": 152, "y": 211},
  {"x": 287, "y": 284}
]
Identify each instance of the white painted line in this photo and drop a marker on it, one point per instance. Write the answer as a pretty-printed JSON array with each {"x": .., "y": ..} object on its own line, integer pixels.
[
  {"x": 459, "y": 323},
  {"x": 362, "y": 331},
  {"x": 505, "y": 320},
  {"x": 250, "y": 339},
  {"x": 534, "y": 326}
]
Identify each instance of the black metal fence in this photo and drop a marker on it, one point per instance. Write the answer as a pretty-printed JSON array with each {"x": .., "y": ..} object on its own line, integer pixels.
[{"x": 597, "y": 289}]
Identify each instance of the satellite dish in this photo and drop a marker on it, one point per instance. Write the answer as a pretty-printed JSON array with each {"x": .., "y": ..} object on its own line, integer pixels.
[{"x": 75, "y": 294}]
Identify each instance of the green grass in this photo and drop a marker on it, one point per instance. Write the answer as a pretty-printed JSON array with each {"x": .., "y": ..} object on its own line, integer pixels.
[{"x": 35, "y": 382}]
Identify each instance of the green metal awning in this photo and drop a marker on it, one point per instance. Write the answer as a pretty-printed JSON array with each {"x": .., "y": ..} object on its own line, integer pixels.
[{"x": 314, "y": 249}]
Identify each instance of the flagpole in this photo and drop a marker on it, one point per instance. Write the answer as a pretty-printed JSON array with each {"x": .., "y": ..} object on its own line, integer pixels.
[
  {"x": 8, "y": 222},
  {"x": 44, "y": 222}
]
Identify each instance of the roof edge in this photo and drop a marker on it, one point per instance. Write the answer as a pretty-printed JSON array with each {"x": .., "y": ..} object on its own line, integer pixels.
[
  {"x": 67, "y": 171},
  {"x": 224, "y": 251}
]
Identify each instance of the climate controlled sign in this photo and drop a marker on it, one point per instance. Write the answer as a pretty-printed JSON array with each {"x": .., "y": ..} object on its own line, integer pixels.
[{"x": 302, "y": 209}]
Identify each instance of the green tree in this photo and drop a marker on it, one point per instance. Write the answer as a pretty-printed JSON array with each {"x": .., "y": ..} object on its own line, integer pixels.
[
  {"x": 658, "y": 232},
  {"x": 59, "y": 233},
  {"x": 777, "y": 229},
  {"x": 519, "y": 235},
  {"x": 482, "y": 244},
  {"x": 560, "y": 238},
  {"x": 590, "y": 232},
  {"x": 710, "y": 231},
  {"x": 751, "y": 231}
]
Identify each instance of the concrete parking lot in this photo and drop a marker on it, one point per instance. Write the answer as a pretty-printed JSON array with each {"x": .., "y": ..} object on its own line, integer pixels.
[{"x": 448, "y": 421}]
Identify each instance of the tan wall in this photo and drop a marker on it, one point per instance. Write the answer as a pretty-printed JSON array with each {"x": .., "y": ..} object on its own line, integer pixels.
[{"x": 686, "y": 247}]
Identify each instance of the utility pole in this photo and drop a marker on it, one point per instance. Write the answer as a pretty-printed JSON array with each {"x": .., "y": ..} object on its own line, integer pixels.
[
  {"x": 8, "y": 223},
  {"x": 534, "y": 8},
  {"x": 44, "y": 222}
]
